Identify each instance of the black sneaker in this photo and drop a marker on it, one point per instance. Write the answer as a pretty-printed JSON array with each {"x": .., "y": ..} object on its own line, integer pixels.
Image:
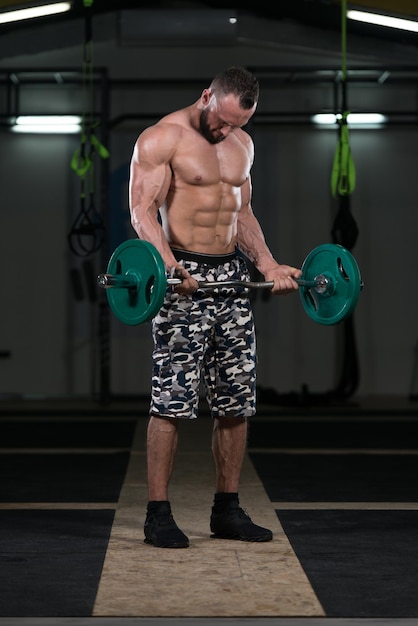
[
  {"x": 234, "y": 523},
  {"x": 160, "y": 528}
]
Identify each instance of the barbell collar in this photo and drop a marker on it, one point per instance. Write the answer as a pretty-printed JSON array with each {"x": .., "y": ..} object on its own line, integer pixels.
[{"x": 119, "y": 281}]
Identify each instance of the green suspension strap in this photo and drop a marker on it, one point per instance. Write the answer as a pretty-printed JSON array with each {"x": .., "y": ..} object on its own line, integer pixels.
[
  {"x": 87, "y": 233},
  {"x": 343, "y": 177}
]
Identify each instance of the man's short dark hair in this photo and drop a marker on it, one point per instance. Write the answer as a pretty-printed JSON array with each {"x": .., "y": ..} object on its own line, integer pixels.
[{"x": 239, "y": 82}]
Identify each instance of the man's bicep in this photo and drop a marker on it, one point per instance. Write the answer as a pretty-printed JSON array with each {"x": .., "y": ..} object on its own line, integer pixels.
[
  {"x": 150, "y": 166},
  {"x": 150, "y": 180}
]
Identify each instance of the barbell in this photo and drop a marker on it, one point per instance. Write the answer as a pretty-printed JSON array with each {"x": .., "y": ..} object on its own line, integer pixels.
[{"x": 136, "y": 283}]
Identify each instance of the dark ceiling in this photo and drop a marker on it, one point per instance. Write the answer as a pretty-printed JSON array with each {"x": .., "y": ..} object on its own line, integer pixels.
[{"x": 321, "y": 14}]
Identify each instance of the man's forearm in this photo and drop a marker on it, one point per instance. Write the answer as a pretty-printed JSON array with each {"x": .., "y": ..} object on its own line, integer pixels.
[
  {"x": 251, "y": 241},
  {"x": 149, "y": 229}
]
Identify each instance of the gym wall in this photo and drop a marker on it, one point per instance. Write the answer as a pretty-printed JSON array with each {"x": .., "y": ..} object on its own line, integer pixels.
[{"x": 51, "y": 339}]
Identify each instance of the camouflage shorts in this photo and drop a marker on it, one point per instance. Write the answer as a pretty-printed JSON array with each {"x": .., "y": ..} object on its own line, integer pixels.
[{"x": 210, "y": 336}]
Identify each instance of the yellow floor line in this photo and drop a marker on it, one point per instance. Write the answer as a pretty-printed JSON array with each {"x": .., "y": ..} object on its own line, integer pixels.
[
  {"x": 360, "y": 506},
  {"x": 56, "y": 505}
]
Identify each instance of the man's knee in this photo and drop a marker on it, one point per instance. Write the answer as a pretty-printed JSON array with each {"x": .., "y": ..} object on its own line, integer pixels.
[
  {"x": 230, "y": 421},
  {"x": 163, "y": 423}
]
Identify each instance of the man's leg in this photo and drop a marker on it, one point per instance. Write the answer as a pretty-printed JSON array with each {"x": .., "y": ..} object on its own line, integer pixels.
[
  {"x": 160, "y": 528},
  {"x": 228, "y": 519},
  {"x": 162, "y": 439},
  {"x": 229, "y": 442}
]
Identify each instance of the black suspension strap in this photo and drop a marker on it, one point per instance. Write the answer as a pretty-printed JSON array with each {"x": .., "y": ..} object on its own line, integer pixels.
[
  {"x": 88, "y": 233},
  {"x": 343, "y": 176},
  {"x": 345, "y": 229}
]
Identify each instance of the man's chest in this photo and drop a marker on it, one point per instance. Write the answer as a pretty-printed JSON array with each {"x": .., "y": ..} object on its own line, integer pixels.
[{"x": 202, "y": 164}]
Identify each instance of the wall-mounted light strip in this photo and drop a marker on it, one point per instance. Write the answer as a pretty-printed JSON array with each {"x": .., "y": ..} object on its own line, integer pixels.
[
  {"x": 383, "y": 20},
  {"x": 55, "y": 124},
  {"x": 32, "y": 12},
  {"x": 370, "y": 120}
]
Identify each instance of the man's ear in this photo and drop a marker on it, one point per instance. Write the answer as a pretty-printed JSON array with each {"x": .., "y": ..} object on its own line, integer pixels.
[{"x": 205, "y": 97}]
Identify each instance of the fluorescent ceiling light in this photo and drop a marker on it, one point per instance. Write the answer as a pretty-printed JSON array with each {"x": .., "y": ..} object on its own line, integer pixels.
[
  {"x": 383, "y": 20},
  {"x": 353, "y": 119},
  {"x": 55, "y": 124},
  {"x": 31, "y": 12}
]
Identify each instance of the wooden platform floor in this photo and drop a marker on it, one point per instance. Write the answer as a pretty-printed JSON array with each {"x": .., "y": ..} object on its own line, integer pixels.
[
  {"x": 218, "y": 582},
  {"x": 212, "y": 577}
]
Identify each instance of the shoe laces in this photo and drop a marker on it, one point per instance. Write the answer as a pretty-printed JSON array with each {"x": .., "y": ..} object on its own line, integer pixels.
[
  {"x": 164, "y": 518},
  {"x": 235, "y": 509}
]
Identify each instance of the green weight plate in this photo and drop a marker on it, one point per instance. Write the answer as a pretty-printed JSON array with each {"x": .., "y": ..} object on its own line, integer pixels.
[
  {"x": 339, "y": 266},
  {"x": 141, "y": 259}
]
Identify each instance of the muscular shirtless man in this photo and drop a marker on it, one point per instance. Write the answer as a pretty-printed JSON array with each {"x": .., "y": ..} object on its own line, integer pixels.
[{"x": 190, "y": 196}]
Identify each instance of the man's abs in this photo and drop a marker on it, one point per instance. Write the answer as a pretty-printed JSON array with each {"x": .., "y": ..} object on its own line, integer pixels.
[{"x": 208, "y": 227}]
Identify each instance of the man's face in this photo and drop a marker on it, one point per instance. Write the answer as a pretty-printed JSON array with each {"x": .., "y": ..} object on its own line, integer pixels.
[{"x": 220, "y": 117}]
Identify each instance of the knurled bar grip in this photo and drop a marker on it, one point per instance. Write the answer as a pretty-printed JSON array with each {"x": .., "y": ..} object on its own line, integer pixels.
[{"x": 129, "y": 281}]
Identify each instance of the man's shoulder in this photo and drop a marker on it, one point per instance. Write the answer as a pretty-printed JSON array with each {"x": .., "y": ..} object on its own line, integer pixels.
[
  {"x": 246, "y": 140},
  {"x": 160, "y": 141},
  {"x": 160, "y": 136},
  {"x": 243, "y": 136},
  {"x": 169, "y": 128}
]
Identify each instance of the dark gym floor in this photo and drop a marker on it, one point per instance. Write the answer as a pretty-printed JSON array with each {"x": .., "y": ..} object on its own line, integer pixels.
[{"x": 337, "y": 484}]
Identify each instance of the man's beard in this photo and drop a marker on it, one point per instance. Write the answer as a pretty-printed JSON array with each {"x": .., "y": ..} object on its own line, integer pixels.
[{"x": 205, "y": 130}]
